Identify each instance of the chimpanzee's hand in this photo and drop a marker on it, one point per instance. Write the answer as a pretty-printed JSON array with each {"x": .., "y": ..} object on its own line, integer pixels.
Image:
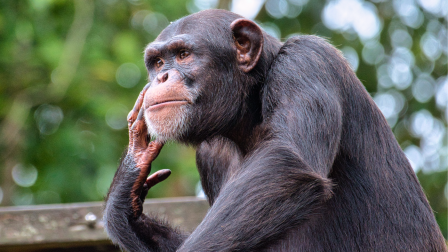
[{"x": 142, "y": 152}]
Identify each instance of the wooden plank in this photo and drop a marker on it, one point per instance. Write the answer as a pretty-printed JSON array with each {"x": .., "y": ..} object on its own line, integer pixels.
[{"x": 44, "y": 227}]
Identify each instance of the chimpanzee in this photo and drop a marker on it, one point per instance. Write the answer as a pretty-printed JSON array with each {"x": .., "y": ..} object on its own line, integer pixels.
[{"x": 293, "y": 153}]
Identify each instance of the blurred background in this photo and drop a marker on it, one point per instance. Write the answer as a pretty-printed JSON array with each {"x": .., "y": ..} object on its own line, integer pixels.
[{"x": 70, "y": 71}]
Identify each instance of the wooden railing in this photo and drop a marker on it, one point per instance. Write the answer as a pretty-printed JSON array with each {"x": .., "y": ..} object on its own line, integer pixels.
[{"x": 79, "y": 226}]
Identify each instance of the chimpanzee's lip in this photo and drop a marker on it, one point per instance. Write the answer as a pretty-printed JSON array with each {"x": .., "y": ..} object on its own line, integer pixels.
[{"x": 159, "y": 104}]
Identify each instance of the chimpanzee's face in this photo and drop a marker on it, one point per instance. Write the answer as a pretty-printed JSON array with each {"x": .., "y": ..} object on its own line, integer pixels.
[
  {"x": 198, "y": 74},
  {"x": 172, "y": 67}
]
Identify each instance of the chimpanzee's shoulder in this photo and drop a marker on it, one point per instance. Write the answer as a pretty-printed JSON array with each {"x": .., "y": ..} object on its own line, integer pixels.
[{"x": 307, "y": 43}]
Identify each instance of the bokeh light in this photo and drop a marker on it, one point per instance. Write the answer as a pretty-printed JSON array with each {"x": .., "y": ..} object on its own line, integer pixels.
[
  {"x": 352, "y": 57},
  {"x": 373, "y": 52},
  {"x": 241, "y": 7},
  {"x": 390, "y": 103},
  {"x": 116, "y": 116},
  {"x": 154, "y": 23},
  {"x": 128, "y": 75},
  {"x": 356, "y": 15},
  {"x": 436, "y": 7},
  {"x": 431, "y": 46},
  {"x": 194, "y": 6},
  {"x": 48, "y": 118},
  {"x": 414, "y": 156},
  {"x": 423, "y": 88},
  {"x": 24, "y": 176},
  {"x": 271, "y": 29},
  {"x": 409, "y": 13},
  {"x": 282, "y": 8}
]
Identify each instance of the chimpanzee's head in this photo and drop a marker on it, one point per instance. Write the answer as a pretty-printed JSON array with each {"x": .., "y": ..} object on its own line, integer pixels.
[{"x": 202, "y": 68}]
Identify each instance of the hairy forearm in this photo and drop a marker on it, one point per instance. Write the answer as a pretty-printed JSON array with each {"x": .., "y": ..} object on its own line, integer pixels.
[
  {"x": 124, "y": 222},
  {"x": 118, "y": 213},
  {"x": 254, "y": 208},
  {"x": 158, "y": 235}
]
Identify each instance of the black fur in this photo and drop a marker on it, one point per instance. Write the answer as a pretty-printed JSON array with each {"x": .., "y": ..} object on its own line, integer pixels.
[
  {"x": 141, "y": 233},
  {"x": 293, "y": 156}
]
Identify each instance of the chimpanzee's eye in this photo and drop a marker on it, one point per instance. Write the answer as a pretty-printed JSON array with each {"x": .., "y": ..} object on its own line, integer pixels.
[
  {"x": 158, "y": 62},
  {"x": 183, "y": 54}
]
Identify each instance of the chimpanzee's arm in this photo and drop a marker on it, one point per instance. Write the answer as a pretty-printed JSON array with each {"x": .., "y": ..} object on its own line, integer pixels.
[
  {"x": 274, "y": 191},
  {"x": 124, "y": 221},
  {"x": 285, "y": 180}
]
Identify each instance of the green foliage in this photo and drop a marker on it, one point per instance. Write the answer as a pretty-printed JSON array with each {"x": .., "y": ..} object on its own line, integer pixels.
[{"x": 71, "y": 70}]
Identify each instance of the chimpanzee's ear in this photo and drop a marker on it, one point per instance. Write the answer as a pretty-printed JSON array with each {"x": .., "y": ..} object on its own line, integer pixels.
[{"x": 248, "y": 41}]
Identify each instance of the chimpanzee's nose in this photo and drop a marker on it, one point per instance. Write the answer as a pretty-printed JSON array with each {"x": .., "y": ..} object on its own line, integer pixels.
[{"x": 162, "y": 77}]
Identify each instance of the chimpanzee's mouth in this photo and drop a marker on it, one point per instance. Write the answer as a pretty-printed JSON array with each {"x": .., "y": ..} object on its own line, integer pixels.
[{"x": 160, "y": 104}]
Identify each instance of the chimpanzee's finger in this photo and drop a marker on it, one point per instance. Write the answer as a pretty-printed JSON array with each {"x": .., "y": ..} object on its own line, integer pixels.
[
  {"x": 144, "y": 192},
  {"x": 157, "y": 177},
  {"x": 153, "y": 150},
  {"x": 145, "y": 137},
  {"x": 152, "y": 180},
  {"x": 132, "y": 116},
  {"x": 135, "y": 133},
  {"x": 131, "y": 140},
  {"x": 139, "y": 193},
  {"x": 139, "y": 132}
]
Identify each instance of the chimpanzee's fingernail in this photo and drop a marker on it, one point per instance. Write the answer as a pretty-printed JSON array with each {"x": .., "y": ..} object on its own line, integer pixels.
[{"x": 163, "y": 174}]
